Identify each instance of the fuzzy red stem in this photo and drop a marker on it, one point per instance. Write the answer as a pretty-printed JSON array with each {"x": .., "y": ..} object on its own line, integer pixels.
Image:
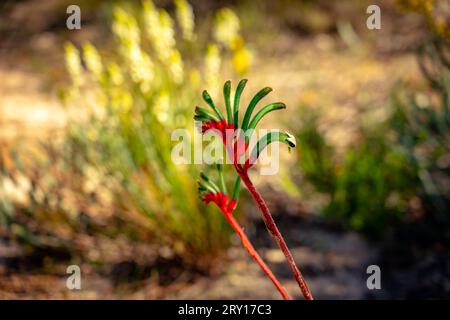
[
  {"x": 251, "y": 250},
  {"x": 272, "y": 227}
]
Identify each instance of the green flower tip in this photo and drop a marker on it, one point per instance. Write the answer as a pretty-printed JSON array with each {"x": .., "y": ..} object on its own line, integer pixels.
[{"x": 290, "y": 140}]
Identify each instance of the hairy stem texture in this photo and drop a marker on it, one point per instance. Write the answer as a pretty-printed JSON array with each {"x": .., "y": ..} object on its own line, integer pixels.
[
  {"x": 255, "y": 256},
  {"x": 273, "y": 229}
]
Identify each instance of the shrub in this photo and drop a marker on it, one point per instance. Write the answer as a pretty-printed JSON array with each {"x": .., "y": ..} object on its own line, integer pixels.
[
  {"x": 378, "y": 179},
  {"x": 368, "y": 186},
  {"x": 131, "y": 99},
  {"x": 421, "y": 123}
]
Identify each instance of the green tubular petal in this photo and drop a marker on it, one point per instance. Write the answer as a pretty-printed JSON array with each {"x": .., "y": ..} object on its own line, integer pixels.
[
  {"x": 248, "y": 113},
  {"x": 282, "y": 137},
  {"x": 237, "y": 98},
  {"x": 201, "y": 112},
  {"x": 202, "y": 187},
  {"x": 201, "y": 118},
  {"x": 209, "y": 183},
  {"x": 209, "y": 101},
  {"x": 226, "y": 95},
  {"x": 261, "y": 113}
]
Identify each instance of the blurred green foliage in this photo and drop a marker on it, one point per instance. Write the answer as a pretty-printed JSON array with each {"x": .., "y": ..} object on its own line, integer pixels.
[
  {"x": 368, "y": 186},
  {"x": 378, "y": 178},
  {"x": 421, "y": 123}
]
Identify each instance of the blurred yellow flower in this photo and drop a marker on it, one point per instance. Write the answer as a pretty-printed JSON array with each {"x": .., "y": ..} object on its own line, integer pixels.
[
  {"x": 242, "y": 59},
  {"x": 92, "y": 59},
  {"x": 226, "y": 27},
  {"x": 212, "y": 68},
  {"x": 185, "y": 17},
  {"x": 125, "y": 27},
  {"x": 115, "y": 74},
  {"x": 141, "y": 68},
  {"x": 159, "y": 29},
  {"x": 226, "y": 32},
  {"x": 194, "y": 77},
  {"x": 176, "y": 66},
  {"x": 73, "y": 64},
  {"x": 162, "y": 106},
  {"x": 127, "y": 31}
]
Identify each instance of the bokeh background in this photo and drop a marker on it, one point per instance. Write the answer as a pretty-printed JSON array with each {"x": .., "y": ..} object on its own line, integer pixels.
[{"x": 86, "y": 175}]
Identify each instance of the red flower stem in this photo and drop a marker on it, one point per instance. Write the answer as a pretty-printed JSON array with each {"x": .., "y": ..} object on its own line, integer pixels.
[
  {"x": 251, "y": 250},
  {"x": 272, "y": 227}
]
